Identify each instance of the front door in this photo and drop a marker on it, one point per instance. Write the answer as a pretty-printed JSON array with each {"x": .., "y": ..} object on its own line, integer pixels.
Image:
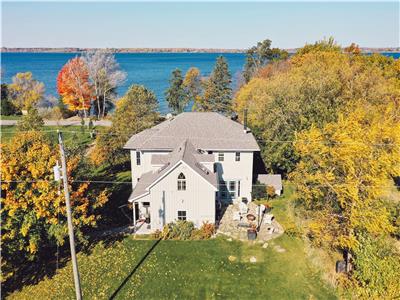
[{"x": 146, "y": 211}]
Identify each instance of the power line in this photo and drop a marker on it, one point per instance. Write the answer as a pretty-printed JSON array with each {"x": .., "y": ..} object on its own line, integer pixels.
[
  {"x": 332, "y": 143},
  {"x": 130, "y": 182}
]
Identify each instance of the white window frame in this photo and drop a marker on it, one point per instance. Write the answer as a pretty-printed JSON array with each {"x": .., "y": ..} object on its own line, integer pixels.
[
  {"x": 182, "y": 215},
  {"x": 138, "y": 158},
  {"x": 221, "y": 156},
  {"x": 237, "y": 156},
  {"x": 181, "y": 182},
  {"x": 232, "y": 188}
]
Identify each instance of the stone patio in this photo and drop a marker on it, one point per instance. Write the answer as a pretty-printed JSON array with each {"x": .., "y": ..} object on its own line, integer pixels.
[{"x": 228, "y": 226}]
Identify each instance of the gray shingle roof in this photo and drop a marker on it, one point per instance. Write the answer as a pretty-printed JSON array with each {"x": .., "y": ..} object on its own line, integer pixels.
[
  {"x": 185, "y": 152},
  {"x": 205, "y": 130},
  {"x": 274, "y": 180}
]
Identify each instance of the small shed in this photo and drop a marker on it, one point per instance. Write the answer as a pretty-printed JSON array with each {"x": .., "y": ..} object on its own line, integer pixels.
[{"x": 274, "y": 180}]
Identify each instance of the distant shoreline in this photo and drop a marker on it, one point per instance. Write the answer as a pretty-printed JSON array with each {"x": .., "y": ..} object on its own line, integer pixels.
[
  {"x": 123, "y": 50},
  {"x": 166, "y": 50}
]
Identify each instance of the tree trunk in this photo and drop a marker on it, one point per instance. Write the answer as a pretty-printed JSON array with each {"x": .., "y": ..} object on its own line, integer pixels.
[
  {"x": 98, "y": 107},
  {"x": 104, "y": 104}
]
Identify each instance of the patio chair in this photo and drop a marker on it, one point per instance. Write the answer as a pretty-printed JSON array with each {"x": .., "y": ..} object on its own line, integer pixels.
[
  {"x": 268, "y": 218},
  {"x": 243, "y": 208}
]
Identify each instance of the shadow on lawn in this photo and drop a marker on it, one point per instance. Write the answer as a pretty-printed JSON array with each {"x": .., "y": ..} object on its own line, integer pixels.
[{"x": 134, "y": 270}]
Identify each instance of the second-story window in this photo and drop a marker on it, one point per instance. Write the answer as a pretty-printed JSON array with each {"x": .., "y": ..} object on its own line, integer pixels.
[
  {"x": 237, "y": 156},
  {"x": 138, "y": 158},
  {"x": 221, "y": 156},
  {"x": 181, "y": 182}
]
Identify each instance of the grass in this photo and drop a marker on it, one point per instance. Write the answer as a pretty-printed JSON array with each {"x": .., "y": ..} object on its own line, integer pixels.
[
  {"x": 187, "y": 270},
  {"x": 148, "y": 269},
  {"x": 12, "y": 117},
  {"x": 76, "y": 137}
]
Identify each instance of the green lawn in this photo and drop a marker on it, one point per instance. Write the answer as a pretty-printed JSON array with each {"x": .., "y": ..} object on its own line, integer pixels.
[
  {"x": 191, "y": 270},
  {"x": 13, "y": 117},
  {"x": 187, "y": 270},
  {"x": 72, "y": 134}
]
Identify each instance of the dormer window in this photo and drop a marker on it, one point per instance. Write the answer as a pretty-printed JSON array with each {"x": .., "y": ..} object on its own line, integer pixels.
[
  {"x": 221, "y": 156},
  {"x": 181, "y": 182}
]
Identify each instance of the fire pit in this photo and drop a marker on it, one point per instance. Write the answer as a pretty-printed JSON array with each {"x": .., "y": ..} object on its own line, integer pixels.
[{"x": 251, "y": 217}]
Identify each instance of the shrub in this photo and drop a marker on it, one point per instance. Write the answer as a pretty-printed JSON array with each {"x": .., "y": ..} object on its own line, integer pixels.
[
  {"x": 181, "y": 230},
  {"x": 293, "y": 231},
  {"x": 204, "y": 232},
  {"x": 157, "y": 234},
  {"x": 259, "y": 190},
  {"x": 376, "y": 268},
  {"x": 270, "y": 191}
]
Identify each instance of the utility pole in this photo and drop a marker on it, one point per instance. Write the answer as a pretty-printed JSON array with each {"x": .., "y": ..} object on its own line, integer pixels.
[{"x": 69, "y": 218}]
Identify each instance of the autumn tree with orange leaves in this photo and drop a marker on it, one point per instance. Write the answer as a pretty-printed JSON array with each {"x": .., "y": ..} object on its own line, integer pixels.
[
  {"x": 74, "y": 86},
  {"x": 33, "y": 210}
]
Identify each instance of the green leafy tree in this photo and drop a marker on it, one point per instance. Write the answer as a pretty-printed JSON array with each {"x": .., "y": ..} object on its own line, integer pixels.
[
  {"x": 136, "y": 111},
  {"x": 7, "y": 108},
  {"x": 259, "y": 55},
  {"x": 217, "y": 90},
  {"x": 31, "y": 121},
  {"x": 325, "y": 45},
  {"x": 176, "y": 95},
  {"x": 376, "y": 269}
]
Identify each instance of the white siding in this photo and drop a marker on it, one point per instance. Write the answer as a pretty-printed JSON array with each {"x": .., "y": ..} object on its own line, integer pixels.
[
  {"x": 198, "y": 200},
  {"x": 232, "y": 170},
  {"x": 145, "y": 164}
]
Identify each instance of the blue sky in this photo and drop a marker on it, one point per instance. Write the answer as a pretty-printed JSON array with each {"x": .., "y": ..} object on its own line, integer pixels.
[{"x": 197, "y": 25}]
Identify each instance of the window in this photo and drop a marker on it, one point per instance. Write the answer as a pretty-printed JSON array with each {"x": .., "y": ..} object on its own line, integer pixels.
[
  {"x": 239, "y": 188},
  {"x": 138, "y": 158},
  {"x": 237, "y": 156},
  {"x": 232, "y": 189},
  {"x": 220, "y": 156},
  {"x": 223, "y": 189},
  {"x": 182, "y": 215},
  {"x": 232, "y": 186},
  {"x": 181, "y": 182}
]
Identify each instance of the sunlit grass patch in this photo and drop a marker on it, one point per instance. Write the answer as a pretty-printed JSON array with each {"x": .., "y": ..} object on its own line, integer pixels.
[{"x": 187, "y": 270}]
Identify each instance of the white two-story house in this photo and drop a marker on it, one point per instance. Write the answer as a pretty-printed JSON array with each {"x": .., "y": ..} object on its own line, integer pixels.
[{"x": 183, "y": 166}]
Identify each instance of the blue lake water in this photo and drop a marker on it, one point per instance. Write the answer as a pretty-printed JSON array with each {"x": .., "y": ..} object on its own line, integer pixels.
[{"x": 150, "y": 69}]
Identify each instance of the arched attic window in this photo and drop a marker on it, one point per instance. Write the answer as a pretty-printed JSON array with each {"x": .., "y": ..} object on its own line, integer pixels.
[{"x": 181, "y": 182}]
